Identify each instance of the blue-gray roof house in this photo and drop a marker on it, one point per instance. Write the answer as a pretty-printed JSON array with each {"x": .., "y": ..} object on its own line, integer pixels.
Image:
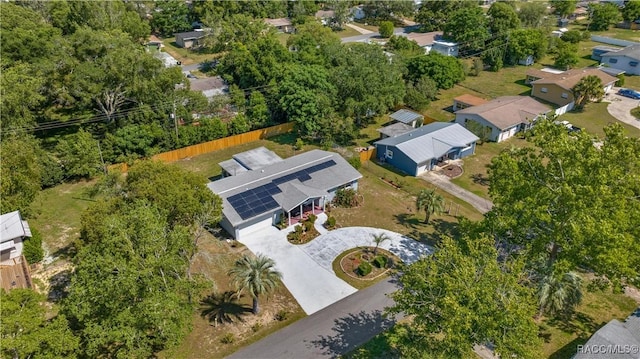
[
  {"x": 616, "y": 340},
  {"x": 270, "y": 190},
  {"x": 419, "y": 150}
]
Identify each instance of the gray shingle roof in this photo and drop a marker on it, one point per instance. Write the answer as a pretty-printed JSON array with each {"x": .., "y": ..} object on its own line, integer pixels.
[
  {"x": 320, "y": 182},
  {"x": 431, "y": 141},
  {"x": 507, "y": 111},
  {"x": 405, "y": 116},
  {"x": 614, "y": 334},
  {"x": 632, "y": 51},
  {"x": 190, "y": 35},
  {"x": 12, "y": 226}
]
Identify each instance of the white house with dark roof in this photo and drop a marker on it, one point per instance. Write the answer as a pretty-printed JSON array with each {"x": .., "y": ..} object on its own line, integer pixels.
[
  {"x": 280, "y": 190},
  {"x": 419, "y": 150},
  {"x": 505, "y": 116},
  {"x": 627, "y": 59},
  {"x": 13, "y": 230},
  {"x": 189, "y": 39}
]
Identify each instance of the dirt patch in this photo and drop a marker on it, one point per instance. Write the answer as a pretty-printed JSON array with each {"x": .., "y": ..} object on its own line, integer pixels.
[
  {"x": 452, "y": 171},
  {"x": 633, "y": 293}
]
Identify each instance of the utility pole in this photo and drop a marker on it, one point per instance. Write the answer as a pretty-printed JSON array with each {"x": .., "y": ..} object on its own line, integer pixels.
[{"x": 175, "y": 119}]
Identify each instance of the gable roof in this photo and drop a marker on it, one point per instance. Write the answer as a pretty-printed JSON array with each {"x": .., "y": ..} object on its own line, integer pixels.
[
  {"x": 430, "y": 141},
  {"x": 470, "y": 100},
  {"x": 309, "y": 174},
  {"x": 568, "y": 79},
  {"x": 425, "y": 39},
  {"x": 322, "y": 14},
  {"x": 507, "y": 111},
  {"x": 12, "y": 226},
  {"x": 615, "y": 333},
  {"x": 405, "y": 116},
  {"x": 632, "y": 51},
  {"x": 395, "y": 129},
  {"x": 190, "y": 35}
]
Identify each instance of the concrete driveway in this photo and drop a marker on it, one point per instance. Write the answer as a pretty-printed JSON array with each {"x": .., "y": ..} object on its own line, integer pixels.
[
  {"x": 306, "y": 269},
  {"x": 620, "y": 107}
]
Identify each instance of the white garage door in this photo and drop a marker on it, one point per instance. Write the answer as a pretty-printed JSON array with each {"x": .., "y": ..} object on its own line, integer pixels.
[{"x": 256, "y": 227}]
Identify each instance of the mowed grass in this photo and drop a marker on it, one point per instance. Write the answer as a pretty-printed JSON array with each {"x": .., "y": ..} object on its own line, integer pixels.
[
  {"x": 57, "y": 213},
  {"x": 561, "y": 337},
  {"x": 214, "y": 259},
  {"x": 186, "y": 56},
  {"x": 594, "y": 118}
]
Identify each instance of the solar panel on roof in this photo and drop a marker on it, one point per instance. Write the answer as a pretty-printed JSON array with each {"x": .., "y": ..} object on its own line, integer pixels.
[{"x": 260, "y": 199}]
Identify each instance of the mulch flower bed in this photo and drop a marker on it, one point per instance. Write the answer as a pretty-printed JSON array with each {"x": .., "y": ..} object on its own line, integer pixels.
[
  {"x": 452, "y": 171},
  {"x": 349, "y": 263}
]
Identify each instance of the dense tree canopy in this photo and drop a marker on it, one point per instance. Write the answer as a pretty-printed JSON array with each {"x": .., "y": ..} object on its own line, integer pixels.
[
  {"x": 525, "y": 42},
  {"x": 631, "y": 10},
  {"x": 434, "y": 15},
  {"x": 570, "y": 203},
  {"x": 20, "y": 171},
  {"x": 468, "y": 27},
  {"x": 462, "y": 296},
  {"x": 446, "y": 71},
  {"x": 563, "y": 8},
  {"x": 532, "y": 13},
  {"x": 603, "y": 16}
]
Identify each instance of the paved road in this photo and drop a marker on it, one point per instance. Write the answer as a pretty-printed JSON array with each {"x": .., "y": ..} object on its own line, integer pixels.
[
  {"x": 191, "y": 67},
  {"x": 333, "y": 331},
  {"x": 620, "y": 107},
  {"x": 440, "y": 181}
]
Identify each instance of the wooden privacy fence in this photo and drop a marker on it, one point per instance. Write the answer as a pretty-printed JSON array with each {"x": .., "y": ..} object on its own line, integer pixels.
[
  {"x": 215, "y": 145},
  {"x": 367, "y": 154}
]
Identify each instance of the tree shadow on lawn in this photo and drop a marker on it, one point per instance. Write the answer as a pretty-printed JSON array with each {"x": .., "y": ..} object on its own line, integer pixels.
[
  {"x": 568, "y": 350},
  {"x": 479, "y": 178},
  {"x": 221, "y": 308},
  {"x": 285, "y": 138},
  {"x": 408, "y": 220},
  {"x": 59, "y": 286},
  {"x": 352, "y": 331},
  {"x": 579, "y": 323}
]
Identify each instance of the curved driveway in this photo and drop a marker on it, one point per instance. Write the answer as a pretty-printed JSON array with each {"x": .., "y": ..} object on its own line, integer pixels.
[
  {"x": 620, "y": 107},
  {"x": 306, "y": 269}
]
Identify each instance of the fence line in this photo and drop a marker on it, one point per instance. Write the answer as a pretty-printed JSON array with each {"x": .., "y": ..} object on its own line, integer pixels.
[
  {"x": 367, "y": 155},
  {"x": 215, "y": 145}
]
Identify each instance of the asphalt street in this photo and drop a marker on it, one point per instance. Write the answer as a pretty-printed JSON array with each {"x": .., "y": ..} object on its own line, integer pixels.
[{"x": 330, "y": 332}]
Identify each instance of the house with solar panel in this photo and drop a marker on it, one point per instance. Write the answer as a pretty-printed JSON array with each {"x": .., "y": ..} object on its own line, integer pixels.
[
  {"x": 420, "y": 150},
  {"x": 259, "y": 189}
]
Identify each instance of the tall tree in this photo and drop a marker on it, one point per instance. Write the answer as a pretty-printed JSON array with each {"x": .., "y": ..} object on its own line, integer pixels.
[
  {"x": 603, "y": 16},
  {"x": 386, "y": 29},
  {"x": 531, "y": 14},
  {"x": 563, "y": 8},
  {"x": 559, "y": 293},
  {"x": 589, "y": 88},
  {"x": 631, "y": 10},
  {"x": 258, "y": 111},
  {"x": 502, "y": 18},
  {"x": 419, "y": 96},
  {"x": 27, "y": 329},
  {"x": 464, "y": 295},
  {"x": 170, "y": 17},
  {"x": 79, "y": 155},
  {"x": 434, "y": 15},
  {"x": 257, "y": 275},
  {"x": 525, "y": 42},
  {"x": 446, "y": 71},
  {"x": 20, "y": 171},
  {"x": 566, "y": 55},
  {"x": 569, "y": 202},
  {"x": 468, "y": 27},
  {"x": 387, "y": 10},
  {"x": 430, "y": 202}
]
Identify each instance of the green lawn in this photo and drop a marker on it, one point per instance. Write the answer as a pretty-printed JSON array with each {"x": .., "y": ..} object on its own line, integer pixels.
[
  {"x": 186, "y": 56},
  {"x": 57, "y": 213},
  {"x": 594, "y": 118},
  {"x": 632, "y": 81},
  {"x": 347, "y": 32},
  {"x": 282, "y": 38}
]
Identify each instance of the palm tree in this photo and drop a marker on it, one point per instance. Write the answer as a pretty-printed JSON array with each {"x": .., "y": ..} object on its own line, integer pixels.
[
  {"x": 378, "y": 239},
  {"x": 589, "y": 88},
  {"x": 257, "y": 275},
  {"x": 430, "y": 202},
  {"x": 559, "y": 293}
]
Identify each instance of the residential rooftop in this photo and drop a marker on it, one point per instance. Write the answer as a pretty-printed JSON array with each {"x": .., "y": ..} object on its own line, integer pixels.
[
  {"x": 506, "y": 111},
  {"x": 568, "y": 79}
]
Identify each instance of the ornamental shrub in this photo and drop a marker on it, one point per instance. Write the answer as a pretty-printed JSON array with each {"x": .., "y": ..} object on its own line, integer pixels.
[
  {"x": 364, "y": 268},
  {"x": 32, "y": 249},
  {"x": 380, "y": 261}
]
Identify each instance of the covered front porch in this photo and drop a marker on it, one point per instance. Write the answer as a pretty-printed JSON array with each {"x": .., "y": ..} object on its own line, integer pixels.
[
  {"x": 299, "y": 201},
  {"x": 301, "y": 212}
]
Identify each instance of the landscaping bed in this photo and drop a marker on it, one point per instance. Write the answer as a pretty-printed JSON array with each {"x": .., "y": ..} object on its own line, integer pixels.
[
  {"x": 305, "y": 232},
  {"x": 347, "y": 266}
]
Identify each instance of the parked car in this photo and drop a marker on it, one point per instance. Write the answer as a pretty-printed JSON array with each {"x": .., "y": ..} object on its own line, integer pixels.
[{"x": 630, "y": 93}]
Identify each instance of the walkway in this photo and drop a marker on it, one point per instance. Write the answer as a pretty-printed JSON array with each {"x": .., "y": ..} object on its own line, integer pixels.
[
  {"x": 443, "y": 182},
  {"x": 331, "y": 332},
  {"x": 620, "y": 107}
]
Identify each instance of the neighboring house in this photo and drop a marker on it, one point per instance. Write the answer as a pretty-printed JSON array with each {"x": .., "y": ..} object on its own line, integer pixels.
[
  {"x": 465, "y": 101},
  {"x": 325, "y": 16},
  {"x": 210, "y": 86},
  {"x": 407, "y": 117},
  {"x": 419, "y": 150},
  {"x": 556, "y": 88},
  {"x": 189, "y": 39},
  {"x": 154, "y": 43},
  {"x": 167, "y": 60},
  {"x": 615, "y": 335},
  {"x": 446, "y": 48},
  {"x": 425, "y": 40},
  {"x": 598, "y": 51},
  {"x": 505, "y": 116},
  {"x": 282, "y": 24},
  {"x": 627, "y": 59},
  {"x": 282, "y": 191},
  {"x": 13, "y": 230},
  {"x": 249, "y": 161},
  {"x": 357, "y": 12}
]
